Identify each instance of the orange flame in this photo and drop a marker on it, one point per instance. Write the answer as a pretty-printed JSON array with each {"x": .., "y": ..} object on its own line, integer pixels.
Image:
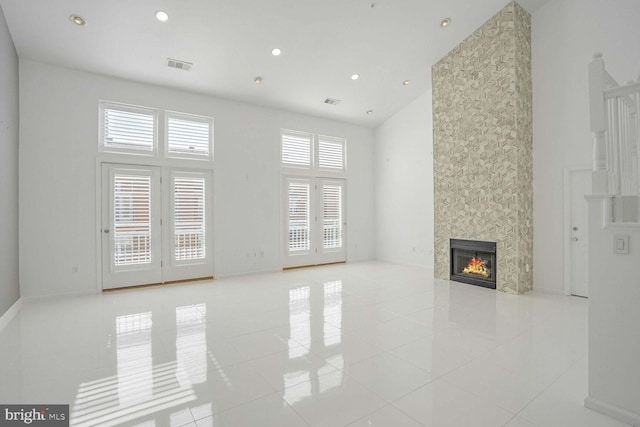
[{"x": 476, "y": 266}]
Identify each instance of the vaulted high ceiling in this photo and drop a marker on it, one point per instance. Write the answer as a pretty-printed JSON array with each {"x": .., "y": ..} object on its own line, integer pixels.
[{"x": 229, "y": 42}]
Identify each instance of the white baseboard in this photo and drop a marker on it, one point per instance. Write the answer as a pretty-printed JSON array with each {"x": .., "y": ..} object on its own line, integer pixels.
[
  {"x": 550, "y": 291},
  {"x": 10, "y": 314},
  {"x": 246, "y": 273},
  {"x": 612, "y": 411}
]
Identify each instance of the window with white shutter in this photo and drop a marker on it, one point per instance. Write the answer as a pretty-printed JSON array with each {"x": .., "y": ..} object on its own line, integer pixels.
[
  {"x": 189, "y": 218},
  {"x": 332, "y": 216},
  {"x": 131, "y": 219},
  {"x": 296, "y": 149},
  {"x": 127, "y": 128},
  {"x": 331, "y": 153},
  {"x": 299, "y": 194},
  {"x": 189, "y": 136}
]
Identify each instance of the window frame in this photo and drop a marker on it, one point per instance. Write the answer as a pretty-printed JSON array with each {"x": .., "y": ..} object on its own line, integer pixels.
[
  {"x": 336, "y": 139},
  {"x": 104, "y": 148},
  {"x": 188, "y": 117},
  {"x": 312, "y": 156},
  {"x": 314, "y": 167}
]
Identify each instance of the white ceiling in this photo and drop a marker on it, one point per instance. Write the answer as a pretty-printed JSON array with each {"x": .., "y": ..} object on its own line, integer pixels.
[{"x": 229, "y": 41}]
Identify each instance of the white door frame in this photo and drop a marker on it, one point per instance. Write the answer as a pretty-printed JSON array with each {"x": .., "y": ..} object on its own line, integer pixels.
[
  {"x": 316, "y": 255},
  {"x": 566, "y": 223},
  {"x": 138, "y": 274},
  {"x": 165, "y": 169},
  {"x": 172, "y": 270},
  {"x": 329, "y": 256}
]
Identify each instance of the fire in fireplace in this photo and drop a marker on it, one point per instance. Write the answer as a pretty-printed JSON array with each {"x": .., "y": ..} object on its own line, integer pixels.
[{"x": 473, "y": 262}]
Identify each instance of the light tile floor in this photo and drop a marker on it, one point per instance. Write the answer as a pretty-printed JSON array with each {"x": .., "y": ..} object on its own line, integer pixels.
[{"x": 362, "y": 344}]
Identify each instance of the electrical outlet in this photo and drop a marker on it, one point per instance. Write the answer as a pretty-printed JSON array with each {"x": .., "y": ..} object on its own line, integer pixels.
[{"x": 621, "y": 244}]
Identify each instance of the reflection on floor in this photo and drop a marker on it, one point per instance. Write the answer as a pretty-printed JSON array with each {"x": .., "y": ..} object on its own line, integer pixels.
[{"x": 357, "y": 344}]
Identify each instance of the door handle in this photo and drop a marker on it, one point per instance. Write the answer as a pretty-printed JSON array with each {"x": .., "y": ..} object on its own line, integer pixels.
[{"x": 105, "y": 231}]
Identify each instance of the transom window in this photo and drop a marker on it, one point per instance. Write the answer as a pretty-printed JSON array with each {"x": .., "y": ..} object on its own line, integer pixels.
[
  {"x": 128, "y": 129},
  {"x": 301, "y": 150},
  {"x": 188, "y": 135}
]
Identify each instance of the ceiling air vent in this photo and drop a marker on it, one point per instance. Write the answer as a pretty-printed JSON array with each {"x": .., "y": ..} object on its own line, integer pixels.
[
  {"x": 180, "y": 65},
  {"x": 332, "y": 101}
]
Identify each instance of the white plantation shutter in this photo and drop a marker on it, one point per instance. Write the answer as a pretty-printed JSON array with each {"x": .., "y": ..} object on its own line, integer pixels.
[
  {"x": 132, "y": 219},
  {"x": 331, "y": 153},
  {"x": 188, "y": 135},
  {"x": 299, "y": 216},
  {"x": 128, "y": 128},
  {"x": 189, "y": 218},
  {"x": 296, "y": 149},
  {"x": 332, "y": 216}
]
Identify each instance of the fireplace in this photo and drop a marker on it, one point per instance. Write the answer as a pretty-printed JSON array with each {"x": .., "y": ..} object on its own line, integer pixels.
[{"x": 473, "y": 262}]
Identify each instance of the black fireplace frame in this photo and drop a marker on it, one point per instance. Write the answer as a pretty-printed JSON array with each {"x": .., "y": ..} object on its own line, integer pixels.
[{"x": 476, "y": 246}]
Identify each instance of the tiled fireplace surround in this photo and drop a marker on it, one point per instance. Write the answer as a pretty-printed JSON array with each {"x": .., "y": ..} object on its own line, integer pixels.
[{"x": 482, "y": 115}]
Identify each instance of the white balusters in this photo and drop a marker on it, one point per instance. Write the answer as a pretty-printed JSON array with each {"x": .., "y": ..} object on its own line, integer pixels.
[
  {"x": 598, "y": 125},
  {"x": 615, "y": 124}
]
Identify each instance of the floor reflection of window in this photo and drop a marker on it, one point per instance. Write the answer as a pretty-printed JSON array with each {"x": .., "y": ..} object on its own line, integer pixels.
[
  {"x": 330, "y": 381},
  {"x": 336, "y": 360},
  {"x": 303, "y": 386},
  {"x": 191, "y": 343},
  {"x": 299, "y": 321},
  {"x": 135, "y": 359},
  {"x": 333, "y": 311},
  {"x": 139, "y": 388}
]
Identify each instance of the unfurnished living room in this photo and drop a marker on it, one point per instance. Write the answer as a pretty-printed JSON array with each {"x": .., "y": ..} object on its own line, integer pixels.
[{"x": 339, "y": 213}]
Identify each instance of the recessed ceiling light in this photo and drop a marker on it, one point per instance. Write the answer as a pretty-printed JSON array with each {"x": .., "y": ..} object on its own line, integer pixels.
[
  {"x": 406, "y": 82},
  {"x": 276, "y": 52},
  {"x": 78, "y": 20},
  {"x": 355, "y": 76},
  {"x": 445, "y": 22},
  {"x": 257, "y": 80},
  {"x": 162, "y": 16},
  {"x": 369, "y": 112}
]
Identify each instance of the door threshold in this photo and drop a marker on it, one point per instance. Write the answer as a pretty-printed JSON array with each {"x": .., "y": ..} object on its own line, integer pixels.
[
  {"x": 312, "y": 265},
  {"x": 151, "y": 285}
]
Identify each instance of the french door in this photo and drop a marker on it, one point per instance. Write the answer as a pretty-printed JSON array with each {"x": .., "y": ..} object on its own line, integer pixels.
[
  {"x": 314, "y": 221},
  {"x": 131, "y": 235},
  {"x": 155, "y": 225}
]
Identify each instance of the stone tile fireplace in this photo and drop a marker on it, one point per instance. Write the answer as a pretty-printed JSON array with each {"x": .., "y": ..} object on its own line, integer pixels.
[{"x": 483, "y": 147}]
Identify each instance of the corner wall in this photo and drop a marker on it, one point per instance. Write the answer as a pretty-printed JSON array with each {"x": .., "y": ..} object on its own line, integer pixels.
[
  {"x": 614, "y": 336},
  {"x": 58, "y": 147},
  {"x": 9, "y": 124},
  {"x": 404, "y": 185},
  {"x": 483, "y": 144}
]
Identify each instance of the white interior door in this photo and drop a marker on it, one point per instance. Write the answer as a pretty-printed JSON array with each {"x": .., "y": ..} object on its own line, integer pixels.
[
  {"x": 580, "y": 185},
  {"x": 314, "y": 221},
  {"x": 131, "y": 226}
]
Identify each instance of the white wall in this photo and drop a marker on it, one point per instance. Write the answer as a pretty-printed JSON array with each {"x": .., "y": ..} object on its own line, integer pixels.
[
  {"x": 404, "y": 185},
  {"x": 565, "y": 33},
  {"x": 614, "y": 319},
  {"x": 9, "y": 285},
  {"x": 58, "y": 147}
]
